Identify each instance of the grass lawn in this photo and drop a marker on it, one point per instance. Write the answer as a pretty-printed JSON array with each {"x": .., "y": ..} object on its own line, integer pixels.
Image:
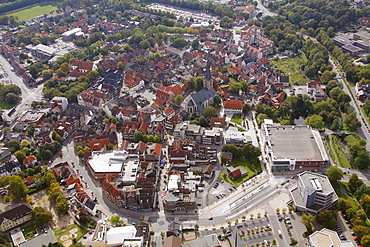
[
  {"x": 66, "y": 231},
  {"x": 29, "y": 13},
  {"x": 5, "y": 105},
  {"x": 253, "y": 169},
  {"x": 292, "y": 68},
  {"x": 343, "y": 161},
  {"x": 29, "y": 231},
  {"x": 237, "y": 118}
]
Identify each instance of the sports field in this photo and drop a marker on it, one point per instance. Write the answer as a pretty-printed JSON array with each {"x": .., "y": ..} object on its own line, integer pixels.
[{"x": 29, "y": 13}]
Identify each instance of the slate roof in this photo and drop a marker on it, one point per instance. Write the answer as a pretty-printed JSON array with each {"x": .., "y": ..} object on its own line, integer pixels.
[
  {"x": 90, "y": 204},
  {"x": 200, "y": 97},
  {"x": 15, "y": 213}
]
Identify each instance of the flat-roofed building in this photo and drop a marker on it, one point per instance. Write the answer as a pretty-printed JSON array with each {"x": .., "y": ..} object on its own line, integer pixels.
[
  {"x": 283, "y": 144},
  {"x": 234, "y": 136},
  {"x": 116, "y": 163},
  {"x": 206, "y": 241},
  {"x": 351, "y": 49},
  {"x": 327, "y": 238},
  {"x": 313, "y": 193}
]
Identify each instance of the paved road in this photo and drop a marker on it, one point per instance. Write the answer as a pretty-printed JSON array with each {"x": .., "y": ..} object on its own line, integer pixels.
[
  {"x": 29, "y": 94},
  {"x": 264, "y": 10}
]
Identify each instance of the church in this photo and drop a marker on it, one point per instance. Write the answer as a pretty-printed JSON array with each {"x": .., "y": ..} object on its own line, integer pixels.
[{"x": 197, "y": 102}]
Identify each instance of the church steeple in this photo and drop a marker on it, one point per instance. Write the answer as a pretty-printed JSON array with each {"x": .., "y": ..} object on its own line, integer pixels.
[{"x": 207, "y": 82}]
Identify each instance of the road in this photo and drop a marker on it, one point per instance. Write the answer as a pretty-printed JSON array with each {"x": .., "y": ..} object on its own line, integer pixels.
[
  {"x": 264, "y": 10},
  {"x": 362, "y": 131},
  {"x": 28, "y": 94}
]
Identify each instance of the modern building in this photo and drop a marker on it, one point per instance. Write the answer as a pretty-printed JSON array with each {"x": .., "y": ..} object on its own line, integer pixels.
[
  {"x": 59, "y": 101},
  {"x": 116, "y": 163},
  {"x": 14, "y": 217},
  {"x": 234, "y": 136},
  {"x": 42, "y": 51},
  {"x": 284, "y": 149},
  {"x": 209, "y": 241},
  {"x": 313, "y": 193},
  {"x": 72, "y": 34},
  {"x": 327, "y": 238},
  {"x": 135, "y": 236},
  {"x": 188, "y": 131}
]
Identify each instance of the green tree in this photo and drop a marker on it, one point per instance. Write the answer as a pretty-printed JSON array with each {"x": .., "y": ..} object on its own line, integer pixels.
[
  {"x": 334, "y": 173},
  {"x": 116, "y": 220},
  {"x": 13, "y": 145},
  {"x": 365, "y": 240},
  {"x": 351, "y": 121},
  {"x": 315, "y": 121},
  {"x": 354, "y": 183},
  {"x": 327, "y": 218},
  {"x": 195, "y": 45},
  {"x": 179, "y": 43},
  {"x": 50, "y": 178},
  {"x": 61, "y": 205},
  {"x": 6, "y": 199},
  {"x": 362, "y": 160},
  {"x": 144, "y": 44},
  {"x": 17, "y": 187},
  {"x": 361, "y": 231},
  {"x": 217, "y": 101},
  {"x": 138, "y": 136},
  {"x": 178, "y": 99},
  {"x": 41, "y": 216},
  {"x": 120, "y": 66},
  {"x": 246, "y": 108},
  {"x": 47, "y": 74},
  {"x": 209, "y": 112},
  {"x": 20, "y": 155}
]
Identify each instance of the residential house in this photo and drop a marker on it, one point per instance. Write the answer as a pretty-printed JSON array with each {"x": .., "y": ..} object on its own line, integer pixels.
[
  {"x": 316, "y": 92},
  {"x": 5, "y": 155},
  {"x": 362, "y": 91},
  {"x": 29, "y": 161},
  {"x": 236, "y": 172},
  {"x": 9, "y": 168},
  {"x": 217, "y": 122},
  {"x": 59, "y": 101},
  {"x": 14, "y": 217},
  {"x": 10, "y": 51}
]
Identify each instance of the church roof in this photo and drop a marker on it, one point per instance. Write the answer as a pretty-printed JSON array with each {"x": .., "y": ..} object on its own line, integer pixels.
[{"x": 203, "y": 95}]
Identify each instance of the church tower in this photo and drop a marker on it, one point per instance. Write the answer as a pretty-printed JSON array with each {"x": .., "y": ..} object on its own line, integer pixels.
[{"x": 208, "y": 82}]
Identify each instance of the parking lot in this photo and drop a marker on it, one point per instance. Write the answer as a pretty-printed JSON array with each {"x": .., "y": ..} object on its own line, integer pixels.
[{"x": 219, "y": 189}]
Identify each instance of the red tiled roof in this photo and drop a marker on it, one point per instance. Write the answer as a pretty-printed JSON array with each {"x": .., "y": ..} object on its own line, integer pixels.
[
  {"x": 233, "y": 104},
  {"x": 29, "y": 159},
  {"x": 157, "y": 150}
]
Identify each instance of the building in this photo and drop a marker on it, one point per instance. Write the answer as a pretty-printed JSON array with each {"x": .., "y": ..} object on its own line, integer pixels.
[
  {"x": 81, "y": 68},
  {"x": 233, "y": 107},
  {"x": 188, "y": 131},
  {"x": 196, "y": 103},
  {"x": 116, "y": 163},
  {"x": 209, "y": 241},
  {"x": 14, "y": 217},
  {"x": 125, "y": 236},
  {"x": 44, "y": 237},
  {"x": 72, "y": 34},
  {"x": 234, "y": 136},
  {"x": 313, "y": 193},
  {"x": 213, "y": 136},
  {"x": 42, "y": 51},
  {"x": 327, "y": 238},
  {"x": 59, "y": 101},
  {"x": 283, "y": 145}
]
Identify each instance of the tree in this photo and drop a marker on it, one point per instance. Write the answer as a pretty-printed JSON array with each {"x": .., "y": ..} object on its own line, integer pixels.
[
  {"x": 365, "y": 240},
  {"x": 13, "y": 145},
  {"x": 144, "y": 44},
  {"x": 120, "y": 66},
  {"x": 178, "y": 99},
  {"x": 6, "y": 199},
  {"x": 17, "y": 187},
  {"x": 138, "y": 136},
  {"x": 362, "y": 160},
  {"x": 209, "y": 112},
  {"x": 41, "y": 216},
  {"x": 50, "y": 178},
  {"x": 47, "y": 74},
  {"x": 315, "y": 121},
  {"x": 327, "y": 218},
  {"x": 195, "y": 44},
  {"x": 246, "y": 108},
  {"x": 116, "y": 220},
  {"x": 361, "y": 231},
  {"x": 334, "y": 173},
  {"x": 20, "y": 155},
  {"x": 54, "y": 191},
  {"x": 179, "y": 43},
  {"x": 354, "y": 183},
  {"x": 11, "y": 98},
  {"x": 61, "y": 205},
  {"x": 217, "y": 101},
  {"x": 351, "y": 122}
]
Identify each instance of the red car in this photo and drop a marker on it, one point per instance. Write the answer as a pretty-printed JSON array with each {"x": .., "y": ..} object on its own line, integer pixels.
[
  {"x": 356, "y": 239},
  {"x": 90, "y": 232}
]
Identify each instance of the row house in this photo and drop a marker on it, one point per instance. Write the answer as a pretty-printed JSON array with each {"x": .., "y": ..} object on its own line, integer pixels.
[
  {"x": 63, "y": 129},
  {"x": 130, "y": 127},
  {"x": 10, "y": 51},
  {"x": 80, "y": 139},
  {"x": 110, "y": 61},
  {"x": 91, "y": 98}
]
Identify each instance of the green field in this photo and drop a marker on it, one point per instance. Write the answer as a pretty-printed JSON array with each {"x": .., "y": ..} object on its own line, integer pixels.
[
  {"x": 29, "y": 13},
  {"x": 292, "y": 68}
]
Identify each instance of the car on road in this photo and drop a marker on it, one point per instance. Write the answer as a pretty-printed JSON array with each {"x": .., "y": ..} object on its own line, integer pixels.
[
  {"x": 292, "y": 177},
  {"x": 290, "y": 226},
  {"x": 217, "y": 197},
  {"x": 230, "y": 189},
  {"x": 287, "y": 218},
  {"x": 210, "y": 218},
  {"x": 222, "y": 181},
  {"x": 342, "y": 237},
  {"x": 279, "y": 233},
  {"x": 289, "y": 222},
  {"x": 234, "y": 187}
]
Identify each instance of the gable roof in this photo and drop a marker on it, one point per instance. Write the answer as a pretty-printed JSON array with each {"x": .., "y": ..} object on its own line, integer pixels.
[
  {"x": 15, "y": 213},
  {"x": 200, "y": 97},
  {"x": 233, "y": 104}
]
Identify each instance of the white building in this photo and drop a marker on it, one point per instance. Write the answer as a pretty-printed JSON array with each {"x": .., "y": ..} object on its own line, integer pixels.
[
  {"x": 59, "y": 101},
  {"x": 313, "y": 193}
]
